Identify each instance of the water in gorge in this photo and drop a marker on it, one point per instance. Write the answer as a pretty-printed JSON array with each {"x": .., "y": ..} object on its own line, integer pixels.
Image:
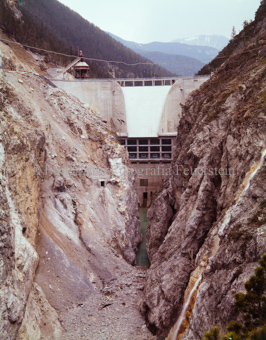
[{"x": 142, "y": 256}]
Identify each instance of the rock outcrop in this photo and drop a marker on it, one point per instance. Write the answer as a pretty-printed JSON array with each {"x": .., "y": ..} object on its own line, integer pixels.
[
  {"x": 212, "y": 213},
  {"x": 69, "y": 219}
]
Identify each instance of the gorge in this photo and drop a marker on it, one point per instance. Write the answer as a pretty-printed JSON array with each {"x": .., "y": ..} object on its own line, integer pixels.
[{"x": 70, "y": 226}]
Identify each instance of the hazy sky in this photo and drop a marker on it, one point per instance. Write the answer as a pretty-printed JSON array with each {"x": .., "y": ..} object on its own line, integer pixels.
[{"x": 165, "y": 20}]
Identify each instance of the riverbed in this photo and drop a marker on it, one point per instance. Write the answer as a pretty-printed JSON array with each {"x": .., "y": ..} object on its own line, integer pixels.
[{"x": 142, "y": 256}]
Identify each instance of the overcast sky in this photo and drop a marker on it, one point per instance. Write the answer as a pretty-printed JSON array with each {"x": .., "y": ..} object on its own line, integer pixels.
[{"x": 145, "y": 21}]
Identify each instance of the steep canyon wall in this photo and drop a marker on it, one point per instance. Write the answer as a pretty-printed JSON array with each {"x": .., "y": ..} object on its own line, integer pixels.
[
  {"x": 69, "y": 219},
  {"x": 204, "y": 221}
]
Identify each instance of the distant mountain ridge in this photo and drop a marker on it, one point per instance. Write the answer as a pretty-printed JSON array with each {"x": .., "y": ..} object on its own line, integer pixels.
[
  {"x": 215, "y": 41},
  {"x": 179, "y": 64},
  {"x": 182, "y": 59},
  {"x": 192, "y": 51}
]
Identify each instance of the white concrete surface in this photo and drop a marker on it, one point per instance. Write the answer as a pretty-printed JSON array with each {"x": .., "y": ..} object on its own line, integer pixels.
[
  {"x": 135, "y": 111},
  {"x": 104, "y": 97},
  {"x": 172, "y": 111},
  {"x": 144, "y": 107}
]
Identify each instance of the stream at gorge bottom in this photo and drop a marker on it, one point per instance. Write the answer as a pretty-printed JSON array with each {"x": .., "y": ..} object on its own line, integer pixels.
[{"x": 142, "y": 259}]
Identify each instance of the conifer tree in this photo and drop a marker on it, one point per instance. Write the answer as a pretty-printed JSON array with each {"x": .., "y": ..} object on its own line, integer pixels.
[
  {"x": 233, "y": 34},
  {"x": 259, "y": 334},
  {"x": 253, "y": 303},
  {"x": 213, "y": 334}
]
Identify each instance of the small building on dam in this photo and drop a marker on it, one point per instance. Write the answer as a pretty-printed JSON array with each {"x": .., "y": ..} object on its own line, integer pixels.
[{"x": 145, "y": 114}]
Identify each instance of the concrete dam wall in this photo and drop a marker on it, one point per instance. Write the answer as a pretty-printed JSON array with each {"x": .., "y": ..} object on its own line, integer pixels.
[
  {"x": 135, "y": 111},
  {"x": 145, "y": 115}
]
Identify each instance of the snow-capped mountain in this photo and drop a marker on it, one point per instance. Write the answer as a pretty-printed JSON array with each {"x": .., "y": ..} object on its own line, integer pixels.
[
  {"x": 202, "y": 53},
  {"x": 183, "y": 59},
  {"x": 216, "y": 41}
]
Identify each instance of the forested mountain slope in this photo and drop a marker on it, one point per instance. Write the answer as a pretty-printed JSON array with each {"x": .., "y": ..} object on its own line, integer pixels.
[{"x": 51, "y": 25}]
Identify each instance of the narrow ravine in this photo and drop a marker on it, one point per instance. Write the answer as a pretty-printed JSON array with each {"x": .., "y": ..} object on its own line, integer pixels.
[{"x": 142, "y": 259}]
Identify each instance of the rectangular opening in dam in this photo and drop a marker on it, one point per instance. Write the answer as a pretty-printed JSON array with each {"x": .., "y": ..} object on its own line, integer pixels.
[
  {"x": 138, "y": 83},
  {"x": 130, "y": 141},
  {"x": 148, "y": 83},
  {"x": 143, "y": 182},
  {"x": 129, "y": 83},
  {"x": 147, "y": 149},
  {"x": 143, "y": 141}
]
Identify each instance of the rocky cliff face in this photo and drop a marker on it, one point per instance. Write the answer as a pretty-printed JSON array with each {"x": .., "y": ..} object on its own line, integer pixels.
[
  {"x": 210, "y": 219},
  {"x": 69, "y": 220}
]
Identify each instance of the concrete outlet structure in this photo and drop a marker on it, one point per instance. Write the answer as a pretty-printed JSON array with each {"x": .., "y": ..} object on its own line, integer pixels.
[{"x": 145, "y": 114}]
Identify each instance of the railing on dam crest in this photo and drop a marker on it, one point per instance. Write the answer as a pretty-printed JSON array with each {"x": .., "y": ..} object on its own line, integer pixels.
[
  {"x": 163, "y": 81},
  {"x": 132, "y": 82}
]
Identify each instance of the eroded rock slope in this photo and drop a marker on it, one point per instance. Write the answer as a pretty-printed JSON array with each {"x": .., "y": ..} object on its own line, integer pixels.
[
  {"x": 210, "y": 218},
  {"x": 69, "y": 220}
]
